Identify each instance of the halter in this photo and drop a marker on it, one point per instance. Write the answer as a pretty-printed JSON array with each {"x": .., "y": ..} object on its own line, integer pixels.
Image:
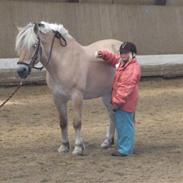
[
  {"x": 63, "y": 43},
  {"x": 38, "y": 51}
]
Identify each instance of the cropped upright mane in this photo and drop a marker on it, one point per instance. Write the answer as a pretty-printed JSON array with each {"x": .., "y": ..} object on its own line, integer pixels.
[
  {"x": 26, "y": 38},
  {"x": 47, "y": 27}
]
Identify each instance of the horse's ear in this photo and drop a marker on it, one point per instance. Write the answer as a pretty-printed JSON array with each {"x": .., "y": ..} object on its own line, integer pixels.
[
  {"x": 18, "y": 28},
  {"x": 36, "y": 28}
]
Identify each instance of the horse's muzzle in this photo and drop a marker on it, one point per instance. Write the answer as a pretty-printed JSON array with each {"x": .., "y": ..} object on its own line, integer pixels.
[{"x": 23, "y": 71}]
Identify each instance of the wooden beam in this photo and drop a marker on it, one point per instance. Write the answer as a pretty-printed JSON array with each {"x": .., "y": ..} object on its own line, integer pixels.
[{"x": 160, "y": 2}]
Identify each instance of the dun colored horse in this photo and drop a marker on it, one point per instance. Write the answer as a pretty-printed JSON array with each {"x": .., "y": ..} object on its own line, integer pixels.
[{"x": 73, "y": 73}]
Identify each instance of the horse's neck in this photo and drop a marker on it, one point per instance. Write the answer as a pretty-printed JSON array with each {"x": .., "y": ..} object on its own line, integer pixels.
[{"x": 61, "y": 57}]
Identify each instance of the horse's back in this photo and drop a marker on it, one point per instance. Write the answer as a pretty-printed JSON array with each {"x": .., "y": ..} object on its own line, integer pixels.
[
  {"x": 100, "y": 75},
  {"x": 112, "y": 45}
]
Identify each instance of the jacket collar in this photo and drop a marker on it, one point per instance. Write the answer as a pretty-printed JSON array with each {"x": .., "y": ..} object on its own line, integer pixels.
[{"x": 123, "y": 67}]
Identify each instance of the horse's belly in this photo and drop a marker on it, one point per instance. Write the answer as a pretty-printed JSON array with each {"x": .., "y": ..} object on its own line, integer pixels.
[
  {"x": 99, "y": 80},
  {"x": 94, "y": 94}
]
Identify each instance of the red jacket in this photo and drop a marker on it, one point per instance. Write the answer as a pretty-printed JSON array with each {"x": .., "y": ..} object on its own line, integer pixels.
[{"x": 126, "y": 82}]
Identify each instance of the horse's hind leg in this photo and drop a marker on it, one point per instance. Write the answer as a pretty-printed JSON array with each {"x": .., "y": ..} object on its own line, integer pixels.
[
  {"x": 109, "y": 140},
  {"x": 61, "y": 104},
  {"x": 77, "y": 101}
]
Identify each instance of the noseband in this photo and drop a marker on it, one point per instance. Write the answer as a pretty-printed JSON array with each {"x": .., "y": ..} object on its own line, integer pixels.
[{"x": 38, "y": 51}]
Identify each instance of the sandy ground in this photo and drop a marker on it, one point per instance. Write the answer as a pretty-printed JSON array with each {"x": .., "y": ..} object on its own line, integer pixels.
[{"x": 30, "y": 136}]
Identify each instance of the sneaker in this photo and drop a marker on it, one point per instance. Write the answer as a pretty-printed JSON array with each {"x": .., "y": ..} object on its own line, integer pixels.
[{"x": 116, "y": 153}]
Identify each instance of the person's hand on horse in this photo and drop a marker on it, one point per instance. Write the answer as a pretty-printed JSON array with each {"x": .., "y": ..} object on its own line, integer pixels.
[{"x": 99, "y": 54}]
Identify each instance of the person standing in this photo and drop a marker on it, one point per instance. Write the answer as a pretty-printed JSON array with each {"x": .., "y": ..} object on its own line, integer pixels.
[{"x": 125, "y": 91}]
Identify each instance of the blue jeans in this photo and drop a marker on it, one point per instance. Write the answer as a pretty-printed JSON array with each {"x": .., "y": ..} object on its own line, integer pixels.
[{"x": 124, "y": 123}]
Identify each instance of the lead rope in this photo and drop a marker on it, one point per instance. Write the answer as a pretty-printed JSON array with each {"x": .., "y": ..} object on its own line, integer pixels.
[{"x": 12, "y": 94}]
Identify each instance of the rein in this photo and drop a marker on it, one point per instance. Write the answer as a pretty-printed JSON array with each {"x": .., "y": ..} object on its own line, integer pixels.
[
  {"x": 12, "y": 94},
  {"x": 63, "y": 43}
]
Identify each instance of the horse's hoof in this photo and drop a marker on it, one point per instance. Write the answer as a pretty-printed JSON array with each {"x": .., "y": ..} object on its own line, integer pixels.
[
  {"x": 107, "y": 143},
  {"x": 64, "y": 148},
  {"x": 79, "y": 149}
]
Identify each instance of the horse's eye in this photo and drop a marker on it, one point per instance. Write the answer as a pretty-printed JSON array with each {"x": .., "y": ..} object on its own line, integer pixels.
[{"x": 34, "y": 46}]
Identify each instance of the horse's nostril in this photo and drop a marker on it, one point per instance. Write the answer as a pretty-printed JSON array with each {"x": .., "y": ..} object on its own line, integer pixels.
[{"x": 23, "y": 71}]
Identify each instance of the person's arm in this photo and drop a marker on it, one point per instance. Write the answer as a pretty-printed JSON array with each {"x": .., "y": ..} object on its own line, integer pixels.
[
  {"x": 127, "y": 86},
  {"x": 110, "y": 58}
]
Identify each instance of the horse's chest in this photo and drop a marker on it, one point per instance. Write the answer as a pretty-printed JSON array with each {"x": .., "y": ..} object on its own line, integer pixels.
[{"x": 58, "y": 88}]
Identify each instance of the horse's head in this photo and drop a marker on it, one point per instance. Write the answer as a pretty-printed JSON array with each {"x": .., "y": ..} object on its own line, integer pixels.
[
  {"x": 29, "y": 48},
  {"x": 30, "y": 41}
]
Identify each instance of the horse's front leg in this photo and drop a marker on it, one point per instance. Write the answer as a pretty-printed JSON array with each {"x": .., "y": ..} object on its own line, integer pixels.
[
  {"x": 77, "y": 101},
  {"x": 61, "y": 104}
]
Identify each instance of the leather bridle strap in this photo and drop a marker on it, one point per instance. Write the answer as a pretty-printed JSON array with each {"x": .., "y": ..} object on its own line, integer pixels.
[{"x": 63, "y": 43}]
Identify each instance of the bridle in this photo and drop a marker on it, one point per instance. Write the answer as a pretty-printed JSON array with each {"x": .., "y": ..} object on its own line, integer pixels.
[
  {"x": 38, "y": 51},
  {"x": 34, "y": 59}
]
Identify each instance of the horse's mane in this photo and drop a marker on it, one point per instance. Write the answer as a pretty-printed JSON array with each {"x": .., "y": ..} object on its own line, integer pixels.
[{"x": 26, "y": 38}]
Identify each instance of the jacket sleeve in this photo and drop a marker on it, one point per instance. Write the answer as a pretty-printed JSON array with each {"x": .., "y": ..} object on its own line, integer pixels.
[
  {"x": 127, "y": 85},
  {"x": 110, "y": 58}
]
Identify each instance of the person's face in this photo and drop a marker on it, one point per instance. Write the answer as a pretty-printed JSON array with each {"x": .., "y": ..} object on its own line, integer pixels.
[{"x": 125, "y": 57}]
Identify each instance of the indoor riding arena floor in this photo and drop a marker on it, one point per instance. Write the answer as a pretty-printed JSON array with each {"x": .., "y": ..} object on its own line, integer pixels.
[{"x": 30, "y": 136}]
